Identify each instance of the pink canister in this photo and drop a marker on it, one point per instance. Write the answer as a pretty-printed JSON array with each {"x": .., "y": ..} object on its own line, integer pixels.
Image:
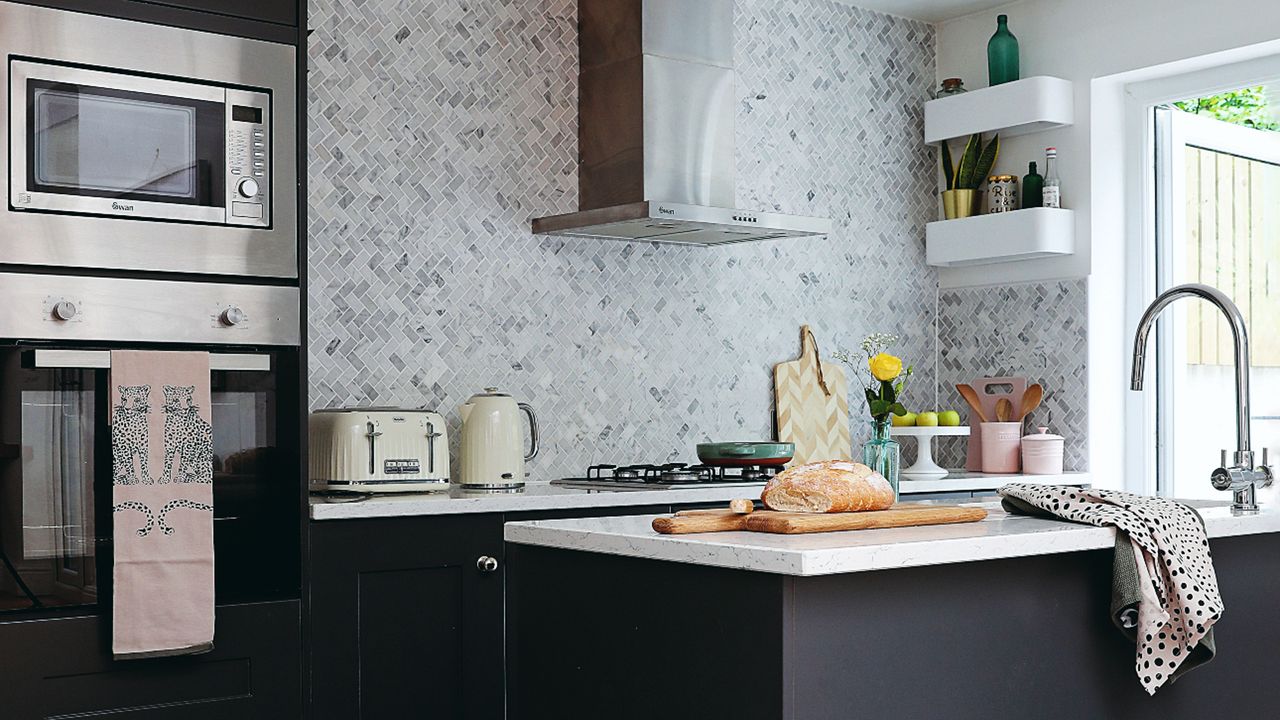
[
  {"x": 1042, "y": 453},
  {"x": 1000, "y": 444}
]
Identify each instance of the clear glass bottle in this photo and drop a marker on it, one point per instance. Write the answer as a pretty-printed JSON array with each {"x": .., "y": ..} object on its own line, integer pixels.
[
  {"x": 883, "y": 454},
  {"x": 951, "y": 86},
  {"x": 1002, "y": 54},
  {"x": 1052, "y": 193}
]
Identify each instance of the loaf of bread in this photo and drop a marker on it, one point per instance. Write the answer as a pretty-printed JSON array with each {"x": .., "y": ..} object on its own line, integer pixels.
[{"x": 828, "y": 487}]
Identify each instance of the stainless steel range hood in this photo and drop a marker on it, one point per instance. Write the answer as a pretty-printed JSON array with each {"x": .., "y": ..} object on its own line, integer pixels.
[{"x": 656, "y": 132}]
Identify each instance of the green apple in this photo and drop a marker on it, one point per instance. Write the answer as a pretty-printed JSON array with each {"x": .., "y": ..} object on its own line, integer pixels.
[
  {"x": 949, "y": 418},
  {"x": 907, "y": 420},
  {"x": 927, "y": 419}
]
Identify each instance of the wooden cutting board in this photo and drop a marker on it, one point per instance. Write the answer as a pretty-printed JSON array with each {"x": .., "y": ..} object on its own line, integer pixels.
[
  {"x": 812, "y": 407},
  {"x": 788, "y": 523}
]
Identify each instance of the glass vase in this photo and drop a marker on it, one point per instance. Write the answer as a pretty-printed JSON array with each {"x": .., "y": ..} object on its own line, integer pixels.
[
  {"x": 883, "y": 454},
  {"x": 1002, "y": 54}
]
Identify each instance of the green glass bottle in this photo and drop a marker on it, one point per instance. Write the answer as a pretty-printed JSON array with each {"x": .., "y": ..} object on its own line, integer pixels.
[
  {"x": 1002, "y": 54},
  {"x": 1032, "y": 188}
]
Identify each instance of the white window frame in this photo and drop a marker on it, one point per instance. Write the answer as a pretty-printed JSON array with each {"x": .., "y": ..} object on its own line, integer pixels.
[
  {"x": 1123, "y": 137},
  {"x": 1174, "y": 132}
]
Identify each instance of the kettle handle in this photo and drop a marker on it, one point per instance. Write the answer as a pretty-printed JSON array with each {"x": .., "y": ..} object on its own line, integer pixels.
[{"x": 533, "y": 431}]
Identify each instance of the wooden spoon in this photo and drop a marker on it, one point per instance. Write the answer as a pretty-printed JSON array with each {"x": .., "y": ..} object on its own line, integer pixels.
[
  {"x": 1004, "y": 410},
  {"x": 1031, "y": 400},
  {"x": 971, "y": 396}
]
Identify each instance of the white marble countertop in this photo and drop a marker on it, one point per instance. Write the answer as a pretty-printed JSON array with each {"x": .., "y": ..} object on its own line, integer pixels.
[
  {"x": 1000, "y": 535},
  {"x": 534, "y": 496}
]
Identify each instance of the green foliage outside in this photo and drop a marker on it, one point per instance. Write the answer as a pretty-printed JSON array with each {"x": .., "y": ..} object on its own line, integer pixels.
[{"x": 1246, "y": 106}]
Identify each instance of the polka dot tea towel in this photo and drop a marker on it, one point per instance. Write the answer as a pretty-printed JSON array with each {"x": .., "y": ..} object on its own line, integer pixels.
[{"x": 1163, "y": 568}]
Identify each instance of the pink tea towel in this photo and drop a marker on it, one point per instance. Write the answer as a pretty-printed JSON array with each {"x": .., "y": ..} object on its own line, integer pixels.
[{"x": 162, "y": 497}]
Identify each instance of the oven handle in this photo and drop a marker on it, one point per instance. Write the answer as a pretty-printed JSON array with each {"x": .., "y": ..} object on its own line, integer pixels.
[{"x": 101, "y": 359}]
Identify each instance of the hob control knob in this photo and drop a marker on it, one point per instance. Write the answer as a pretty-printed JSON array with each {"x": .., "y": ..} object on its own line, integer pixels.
[
  {"x": 65, "y": 310},
  {"x": 232, "y": 316},
  {"x": 247, "y": 188}
]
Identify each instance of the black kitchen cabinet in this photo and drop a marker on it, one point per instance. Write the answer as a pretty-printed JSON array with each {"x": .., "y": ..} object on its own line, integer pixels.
[
  {"x": 271, "y": 20},
  {"x": 282, "y": 12},
  {"x": 407, "y": 615},
  {"x": 404, "y": 621},
  {"x": 59, "y": 667}
]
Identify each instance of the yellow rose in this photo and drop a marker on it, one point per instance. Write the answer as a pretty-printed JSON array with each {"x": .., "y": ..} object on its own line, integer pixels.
[{"x": 885, "y": 367}]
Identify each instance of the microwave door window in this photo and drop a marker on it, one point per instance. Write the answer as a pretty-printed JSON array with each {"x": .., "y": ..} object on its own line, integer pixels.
[{"x": 114, "y": 145}]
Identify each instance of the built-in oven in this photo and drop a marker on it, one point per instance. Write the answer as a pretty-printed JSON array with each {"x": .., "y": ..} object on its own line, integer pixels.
[
  {"x": 143, "y": 147},
  {"x": 55, "y": 446}
]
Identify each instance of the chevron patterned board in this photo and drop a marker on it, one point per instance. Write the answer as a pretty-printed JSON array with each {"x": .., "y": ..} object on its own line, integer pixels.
[{"x": 814, "y": 417}]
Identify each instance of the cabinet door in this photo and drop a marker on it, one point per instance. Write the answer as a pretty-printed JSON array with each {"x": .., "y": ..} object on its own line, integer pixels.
[
  {"x": 284, "y": 12},
  {"x": 62, "y": 667},
  {"x": 404, "y": 623}
]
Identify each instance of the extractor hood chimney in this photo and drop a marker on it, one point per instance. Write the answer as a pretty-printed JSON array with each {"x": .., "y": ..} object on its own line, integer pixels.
[{"x": 656, "y": 89}]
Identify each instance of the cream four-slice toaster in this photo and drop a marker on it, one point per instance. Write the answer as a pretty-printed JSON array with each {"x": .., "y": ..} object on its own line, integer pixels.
[{"x": 378, "y": 450}]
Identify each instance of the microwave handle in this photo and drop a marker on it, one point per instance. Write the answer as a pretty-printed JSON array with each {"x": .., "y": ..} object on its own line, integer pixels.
[{"x": 101, "y": 359}]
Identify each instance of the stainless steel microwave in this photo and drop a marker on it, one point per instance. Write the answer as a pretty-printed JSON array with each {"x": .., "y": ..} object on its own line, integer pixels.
[{"x": 144, "y": 147}]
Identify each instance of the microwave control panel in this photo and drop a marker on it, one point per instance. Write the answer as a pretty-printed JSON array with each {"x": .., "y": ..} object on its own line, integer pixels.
[{"x": 248, "y": 158}]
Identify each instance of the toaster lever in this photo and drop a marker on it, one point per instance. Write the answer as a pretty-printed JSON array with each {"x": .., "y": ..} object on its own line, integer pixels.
[
  {"x": 431, "y": 448},
  {"x": 373, "y": 434}
]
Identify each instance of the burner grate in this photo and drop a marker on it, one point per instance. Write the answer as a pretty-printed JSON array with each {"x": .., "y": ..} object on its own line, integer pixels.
[{"x": 675, "y": 474}]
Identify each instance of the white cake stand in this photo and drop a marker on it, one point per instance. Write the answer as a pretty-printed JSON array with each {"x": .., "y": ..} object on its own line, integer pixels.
[{"x": 925, "y": 468}]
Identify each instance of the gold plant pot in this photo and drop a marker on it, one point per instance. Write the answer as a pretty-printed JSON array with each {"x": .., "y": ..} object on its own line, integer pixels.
[{"x": 961, "y": 203}]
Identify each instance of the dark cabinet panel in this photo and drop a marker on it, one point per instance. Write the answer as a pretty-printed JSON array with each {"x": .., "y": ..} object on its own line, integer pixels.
[
  {"x": 411, "y": 625},
  {"x": 62, "y": 667},
  {"x": 283, "y": 12},
  {"x": 404, "y": 623},
  {"x": 271, "y": 20}
]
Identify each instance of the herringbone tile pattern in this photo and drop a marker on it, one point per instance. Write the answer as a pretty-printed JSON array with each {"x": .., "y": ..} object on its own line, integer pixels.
[
  {"x": 439, "y": 128},
  {"x": 1037, "y": 330}
]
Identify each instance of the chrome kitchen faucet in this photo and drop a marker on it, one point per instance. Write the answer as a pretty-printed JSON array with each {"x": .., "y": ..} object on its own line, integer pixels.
[{"x": 1241, "y": 477}]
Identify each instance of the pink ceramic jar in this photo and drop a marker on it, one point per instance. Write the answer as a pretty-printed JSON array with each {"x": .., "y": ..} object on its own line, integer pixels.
[
  {"x": 1042, "y": 453},
  {"x": 1001, "y": 442}
]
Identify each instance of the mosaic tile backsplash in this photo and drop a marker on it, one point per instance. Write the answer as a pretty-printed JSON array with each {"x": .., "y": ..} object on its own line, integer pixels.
[
  {"x": 1035, "y": 330},
  {"x": 439, "y": 128}
]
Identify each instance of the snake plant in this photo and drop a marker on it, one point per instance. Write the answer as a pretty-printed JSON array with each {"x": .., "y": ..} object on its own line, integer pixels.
[{"x": 975, "y": 162}]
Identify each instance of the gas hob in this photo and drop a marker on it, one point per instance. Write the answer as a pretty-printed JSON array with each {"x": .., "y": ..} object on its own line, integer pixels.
[{"x": 666, "y": 476}]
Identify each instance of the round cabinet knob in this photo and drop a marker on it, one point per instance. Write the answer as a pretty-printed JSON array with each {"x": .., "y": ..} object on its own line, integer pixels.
[
  {"x": 487, "y": 564},
  {"x": 247, "y": 188},
  {"x": 65, "y": 310},
  {"x": 232, "y": 316}
]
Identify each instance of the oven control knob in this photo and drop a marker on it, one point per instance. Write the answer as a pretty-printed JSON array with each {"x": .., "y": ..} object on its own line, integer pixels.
[
  {"x": 247, "y": 188},
  {"x": 65, "y": 310},
  {"x": 232, "y": 316}
]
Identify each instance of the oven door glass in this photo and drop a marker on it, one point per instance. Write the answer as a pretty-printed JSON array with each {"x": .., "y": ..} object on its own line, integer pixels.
[
  {"x": 104, "y": 143},
  {"x": 55, "y": 484}
]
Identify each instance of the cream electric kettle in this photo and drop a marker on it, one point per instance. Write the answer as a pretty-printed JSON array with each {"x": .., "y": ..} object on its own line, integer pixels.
[{"x": 493, "y": 455}]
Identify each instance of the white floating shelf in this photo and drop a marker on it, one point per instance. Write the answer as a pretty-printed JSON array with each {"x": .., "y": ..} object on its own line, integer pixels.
[
  {"x": 1000, "y": 237},
  {"x": 963, "y": 481},
  {"x": 1034, "y": 104}
]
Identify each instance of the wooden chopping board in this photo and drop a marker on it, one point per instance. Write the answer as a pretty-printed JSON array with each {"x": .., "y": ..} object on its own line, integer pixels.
[
  {"x": 812, "y": 406},
  {"x": 789, "y": 523}
]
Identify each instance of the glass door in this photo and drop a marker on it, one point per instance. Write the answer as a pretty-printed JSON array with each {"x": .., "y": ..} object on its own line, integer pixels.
[
  {"x": 109, "y": 143},
  {"x": 55, "y": 477},
  {"x": 1218, "y": 201}
]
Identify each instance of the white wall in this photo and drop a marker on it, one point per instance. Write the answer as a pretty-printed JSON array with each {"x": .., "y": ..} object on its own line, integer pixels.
[
  {"x": 1119, "y": 55},
  {"x": 1081, "y": 40}
]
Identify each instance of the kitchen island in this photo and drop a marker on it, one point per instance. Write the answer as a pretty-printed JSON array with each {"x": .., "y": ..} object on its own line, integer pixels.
[{"x": 1004, "y": 618}]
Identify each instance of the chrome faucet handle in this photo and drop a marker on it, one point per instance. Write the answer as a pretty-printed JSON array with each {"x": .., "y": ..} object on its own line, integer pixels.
[{"x": 1226, "y": 462}]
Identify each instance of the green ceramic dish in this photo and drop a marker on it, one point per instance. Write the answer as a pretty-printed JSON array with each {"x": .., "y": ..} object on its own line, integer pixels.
[{"x": 746, "y": 453}]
